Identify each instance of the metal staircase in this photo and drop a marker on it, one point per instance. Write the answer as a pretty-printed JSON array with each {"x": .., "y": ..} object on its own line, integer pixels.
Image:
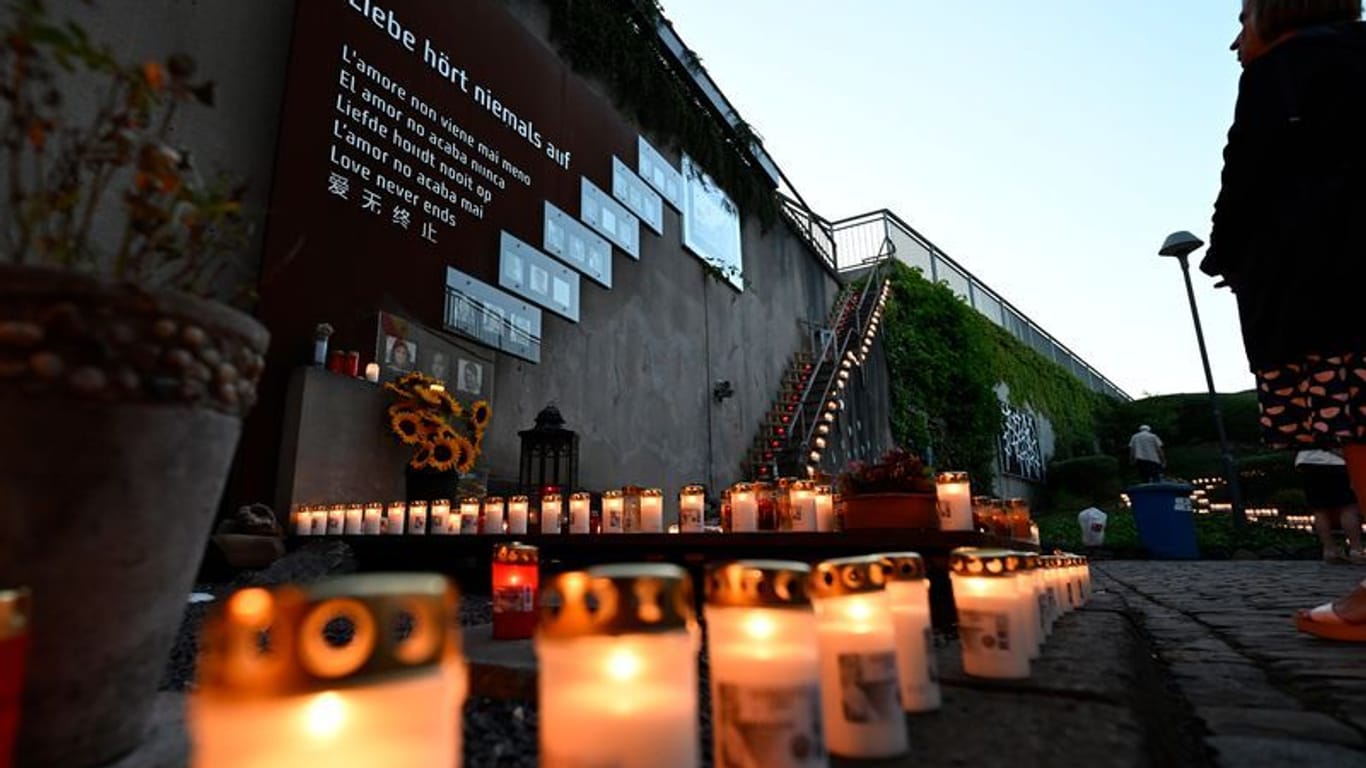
[{"x": 796, "y": 432}]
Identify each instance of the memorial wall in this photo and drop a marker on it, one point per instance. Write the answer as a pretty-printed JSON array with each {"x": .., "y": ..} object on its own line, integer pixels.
[{"x": 441, "y": 164}]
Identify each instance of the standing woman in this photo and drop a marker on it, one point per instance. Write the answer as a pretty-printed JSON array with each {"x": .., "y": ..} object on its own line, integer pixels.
[{"x": 1289, "y": 237}]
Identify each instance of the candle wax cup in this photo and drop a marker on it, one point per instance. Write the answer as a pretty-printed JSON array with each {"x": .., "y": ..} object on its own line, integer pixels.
[
  {"x": 628, "y": 701},
  {"x": 987, "y": 625},
  {"x": 1027, "y": 613},
  {"x": 517, "y": 518},
  {"x": 413, "y": 723},
  {"x": 373, "y": 521},
  {"x": 916, "y": 665},
  {"x": 955, "y": 507},
  {"x": 550, "y": 518},
  {"x": 355, "y": 519},
  {"x": 612, "y": 517},
  {"x": 336, "y": 522},
  {"x": 825, "y": 513},
  {"x": 765, "y": 691},
  {"x": 744, "y": 513},
  {"x": 651, "y": 514},
  {"x": 319, "y": 527},
  {"x": 860, "y": 689},
  {"x": 579, "y": 517}
]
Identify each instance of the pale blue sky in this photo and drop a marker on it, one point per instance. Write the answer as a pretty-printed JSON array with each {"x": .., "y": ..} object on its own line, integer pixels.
[{"x": 1048, "y": 147}]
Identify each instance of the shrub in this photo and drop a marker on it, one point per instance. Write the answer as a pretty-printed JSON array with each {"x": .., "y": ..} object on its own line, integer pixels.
[{"x": 1088, "y": 480}]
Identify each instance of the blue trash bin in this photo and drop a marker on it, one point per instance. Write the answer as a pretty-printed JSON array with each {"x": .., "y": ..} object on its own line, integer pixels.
[{"x": 1166, "y": 525}]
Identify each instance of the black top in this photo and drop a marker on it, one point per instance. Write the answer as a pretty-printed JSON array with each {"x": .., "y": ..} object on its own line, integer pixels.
[{"x": 1290, "y": 222}]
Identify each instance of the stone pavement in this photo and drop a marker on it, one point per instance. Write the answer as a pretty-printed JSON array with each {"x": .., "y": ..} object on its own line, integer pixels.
[{"x": 1262, "y": 693}]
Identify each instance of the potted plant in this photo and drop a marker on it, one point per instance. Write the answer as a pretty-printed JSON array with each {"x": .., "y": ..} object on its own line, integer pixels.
[
  {"x": 445, "y": 434},
  {"x": 123, "y": 382},
  {"x": 897, "y": 491}
]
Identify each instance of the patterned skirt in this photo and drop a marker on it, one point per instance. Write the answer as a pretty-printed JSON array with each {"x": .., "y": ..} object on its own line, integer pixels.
[{"x": 1319, "y": 401}]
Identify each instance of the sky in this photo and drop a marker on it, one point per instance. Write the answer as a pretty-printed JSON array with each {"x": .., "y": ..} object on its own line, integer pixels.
[{"x": 1048, "y": 147}]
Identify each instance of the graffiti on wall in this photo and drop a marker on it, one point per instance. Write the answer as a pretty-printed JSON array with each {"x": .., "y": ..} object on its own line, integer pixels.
[{"x": 1021, "y": 452}]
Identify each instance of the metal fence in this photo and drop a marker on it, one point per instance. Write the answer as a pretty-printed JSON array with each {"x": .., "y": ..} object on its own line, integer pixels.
[{"x": 861, "y": 241}]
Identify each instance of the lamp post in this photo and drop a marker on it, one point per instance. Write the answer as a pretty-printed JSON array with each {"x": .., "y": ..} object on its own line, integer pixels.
[{"x": 1180, "y": 245}]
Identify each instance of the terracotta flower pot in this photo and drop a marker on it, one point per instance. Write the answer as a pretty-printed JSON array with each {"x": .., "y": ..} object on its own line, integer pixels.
[
  {"x": 121, "y": 411},
  {"x": 891, "y": 510}
]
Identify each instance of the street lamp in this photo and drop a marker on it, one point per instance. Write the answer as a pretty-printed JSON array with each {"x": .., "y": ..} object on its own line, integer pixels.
[{"x": 1180, "y": 245}]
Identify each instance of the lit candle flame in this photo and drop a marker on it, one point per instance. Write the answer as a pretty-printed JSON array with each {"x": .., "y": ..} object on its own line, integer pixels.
[
  {"x": 325, "y": 715},
  {"x": 623, "y": 665},
  {"x": 760, "y": 627}
]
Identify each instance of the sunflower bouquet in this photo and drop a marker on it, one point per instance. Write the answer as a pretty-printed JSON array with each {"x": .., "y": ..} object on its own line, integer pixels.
[{"x": 446, "y": 436}]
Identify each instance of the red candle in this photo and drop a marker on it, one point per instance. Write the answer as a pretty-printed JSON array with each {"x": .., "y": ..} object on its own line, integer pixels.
[
  {"x": 13, "y": 644},
  {"x": 516, "y": 580},
  {"x": 353, "y": 364}
]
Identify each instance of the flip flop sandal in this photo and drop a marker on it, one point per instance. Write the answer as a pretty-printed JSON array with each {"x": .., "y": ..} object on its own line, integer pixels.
[{"x": 1325, "y": 622}]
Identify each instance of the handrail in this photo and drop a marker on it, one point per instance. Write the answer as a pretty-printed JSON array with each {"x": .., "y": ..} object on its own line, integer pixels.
[
  {"x": 809, "y": 224},
  {"x": 890, "y": 220}
]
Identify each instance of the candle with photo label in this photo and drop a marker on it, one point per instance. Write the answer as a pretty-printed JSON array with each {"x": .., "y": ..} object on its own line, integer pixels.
[
  {"x": 860, "y": 688},
  {"x": 984, "y": 591},
  {"x": 908, "y": 589},
  {"x": 691, "y": 508},
  {"x": 613, "y": 508}
]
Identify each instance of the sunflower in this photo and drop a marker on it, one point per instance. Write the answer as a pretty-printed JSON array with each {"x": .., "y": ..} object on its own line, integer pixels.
[
  {"x": 431, "y": 396},
  {"x": 453, "y": 406},
  {"x": 445, "y": 454},
  {"x": 412, "y": 380},
  {"x": 421, "y": 457},
  {"x": 405, "y": 406},
  {"x": 480, "y": 413},
  {"x": 407, "y": 426},
  {"x": 466, "y": 453}
]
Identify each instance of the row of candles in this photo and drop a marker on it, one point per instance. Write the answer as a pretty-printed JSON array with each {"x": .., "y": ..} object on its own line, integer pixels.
[
  {"x": 804, "y": 662},
  {"x": 789, "y": 505}
]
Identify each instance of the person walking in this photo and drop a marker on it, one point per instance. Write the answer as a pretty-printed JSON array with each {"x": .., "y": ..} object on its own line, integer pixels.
[
  {"x": 1328, "y": 491},
  {"x": 1145, "y": 453},
  {"x": 1288, "y": 237}
]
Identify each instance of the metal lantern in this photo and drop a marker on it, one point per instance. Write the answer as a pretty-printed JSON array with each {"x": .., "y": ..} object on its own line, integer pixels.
[{"x": 550, "y": 453}]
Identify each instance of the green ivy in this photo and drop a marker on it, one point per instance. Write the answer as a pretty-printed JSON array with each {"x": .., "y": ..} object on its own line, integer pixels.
[
  {"x": 944, "y": 362},
  {"x": 614, "y": 41}
]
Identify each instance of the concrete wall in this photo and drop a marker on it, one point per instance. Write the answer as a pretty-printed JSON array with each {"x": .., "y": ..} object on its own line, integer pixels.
[{"x": 634, "y": 377}]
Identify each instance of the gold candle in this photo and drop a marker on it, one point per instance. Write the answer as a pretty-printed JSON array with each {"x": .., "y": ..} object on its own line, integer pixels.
[
  {"x": 378, "y": 700},
  {"x": 617, "y": 649},
  {"x": 765, "y": 667},
  {"x": 613, "y": 506},
  {"x": 908, "y": 589},
  {"x": 860, "y": 702}
]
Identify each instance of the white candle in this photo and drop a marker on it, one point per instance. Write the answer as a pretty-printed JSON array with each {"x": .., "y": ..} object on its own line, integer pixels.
[
  {"x": 764, "y": 664},
  {"x": 493, "y": 515},
  {"x": 860, "y": 696},
  {"x": 630, "y": 511},
  {"x": 552, "y": 507},
  {"x": 612, "y": 512},
  {"x": 825, "y": 509},
  {"x": 618, "y": 686},
  {"x": 281, "y": 711},
  {"x": 744, "y": 509},
  {"x": 303, "y": 520},
  {"x": 517, "y": 514},
  {"x": 374, "y": 516},
  {"x": 336, "y": 520},
  {"x": 372, "y": 372},
  {"x": 439, "y": 517},
  {"x": 396, "y": 517},
  {"x": 417, "y": 518},
  {"x": 1027, "y": 604},
  {"x": 802, "y": 507},
  {"x": 580, "y": 512},
  {"x": 908, "y": 589},
  {"x": 651, "y": 511},
  {"x": 469, "y": 515},
  {"x": 691, "y": 508},
  {"x": 954, "y": 493},
  {"x": 988, "y": 618},
  {"x": 321, "y": 516},
  {"x": 355, "y": 520}
]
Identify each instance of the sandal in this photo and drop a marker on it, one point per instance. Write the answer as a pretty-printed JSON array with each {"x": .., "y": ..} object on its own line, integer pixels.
[{"x": 1325, "y": 622}]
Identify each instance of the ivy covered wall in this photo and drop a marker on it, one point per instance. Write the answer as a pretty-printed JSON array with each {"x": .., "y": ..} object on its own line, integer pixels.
[{"x": 944, "y": 362}]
